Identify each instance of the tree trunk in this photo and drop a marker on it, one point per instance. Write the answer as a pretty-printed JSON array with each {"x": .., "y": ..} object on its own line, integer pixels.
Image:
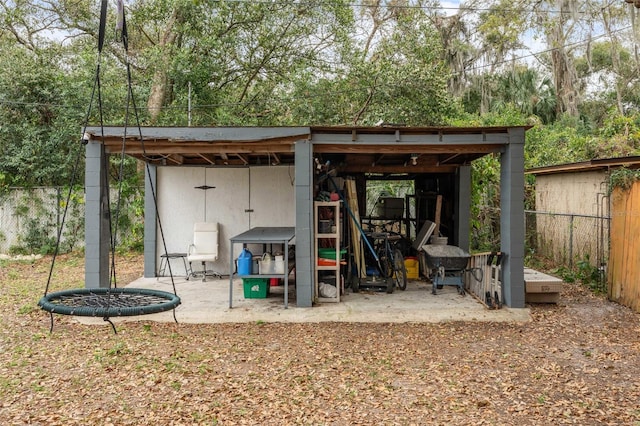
[
  {"x": 160, "y": 77},
  {"x": 564, "y": 72}
]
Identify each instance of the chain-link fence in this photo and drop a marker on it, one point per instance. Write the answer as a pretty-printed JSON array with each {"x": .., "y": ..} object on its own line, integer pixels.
[{"x": 576, "y": 244}]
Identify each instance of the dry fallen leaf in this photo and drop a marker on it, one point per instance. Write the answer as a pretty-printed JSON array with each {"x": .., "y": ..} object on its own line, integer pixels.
[{"x": 574, "y": 363}]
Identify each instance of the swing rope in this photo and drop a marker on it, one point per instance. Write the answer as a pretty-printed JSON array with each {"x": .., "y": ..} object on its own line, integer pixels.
[
  {"x": 131, "y": 106},
  {"x": 76, "y": 167},
  {"x": 112, "y": 301}
]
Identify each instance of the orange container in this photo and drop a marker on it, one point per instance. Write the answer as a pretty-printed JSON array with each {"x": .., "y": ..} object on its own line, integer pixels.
[{"x": 326, "y": 262}]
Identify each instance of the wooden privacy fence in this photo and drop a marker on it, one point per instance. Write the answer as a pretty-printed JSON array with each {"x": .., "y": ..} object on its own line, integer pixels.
[{"x": 624, "y": 255}]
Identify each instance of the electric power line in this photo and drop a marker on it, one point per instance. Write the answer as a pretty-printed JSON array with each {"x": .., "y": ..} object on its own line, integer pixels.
[
  {"x": 460, "y": 7},
  {"x": 325, "y": 95}
]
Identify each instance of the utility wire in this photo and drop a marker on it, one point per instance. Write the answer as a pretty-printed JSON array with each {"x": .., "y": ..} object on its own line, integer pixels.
[
  {"x": 460, "y": 7},
  {"x": 325, "y": 95}
]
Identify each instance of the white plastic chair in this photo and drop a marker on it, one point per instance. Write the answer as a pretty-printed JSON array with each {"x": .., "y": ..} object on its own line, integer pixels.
[{"x": 204, "y": 248}]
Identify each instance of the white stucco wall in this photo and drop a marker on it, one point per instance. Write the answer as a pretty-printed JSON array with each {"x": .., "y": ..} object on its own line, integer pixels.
[{"x": 267, "y": 190}]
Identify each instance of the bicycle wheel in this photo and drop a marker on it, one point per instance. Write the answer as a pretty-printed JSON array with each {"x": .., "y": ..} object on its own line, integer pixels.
[
  {"x": 385, "y": 266},
  {"x": 399, "y": 269}
]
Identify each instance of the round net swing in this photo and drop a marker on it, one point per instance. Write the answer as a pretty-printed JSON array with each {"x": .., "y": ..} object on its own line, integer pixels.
[
  {"x": 108, "y": 302},
  {"x": 112, "y": 301}
]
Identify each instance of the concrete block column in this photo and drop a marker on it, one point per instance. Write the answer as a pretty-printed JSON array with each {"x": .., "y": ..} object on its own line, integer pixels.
[
  {"x": 96, "y": 223},
  {"x": 304, "y": 223},
  {"x": 150, "y": 220},
  {"x": 512, "y": 219},
  {"x": 463, "y": 207}
]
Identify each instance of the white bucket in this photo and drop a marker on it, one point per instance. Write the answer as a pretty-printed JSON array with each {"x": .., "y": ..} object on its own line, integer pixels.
[
  {"x": 255, "y": 265},
  {"x": 279, "y": 265},
  {"x": 441, "y": 241},
  {"x": 267, "y": 266}
]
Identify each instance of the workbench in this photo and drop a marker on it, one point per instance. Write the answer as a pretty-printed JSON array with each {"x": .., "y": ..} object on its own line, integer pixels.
[{"x": 264, "y": 235}]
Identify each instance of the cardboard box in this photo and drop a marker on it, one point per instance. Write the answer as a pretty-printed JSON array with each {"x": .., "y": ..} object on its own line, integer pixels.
[
  {"x": 543, "y": 287},
  {"x": 542, "y": 297},
  {"x": 537, "y": 282},
  {"x": 540, "y": 287}
]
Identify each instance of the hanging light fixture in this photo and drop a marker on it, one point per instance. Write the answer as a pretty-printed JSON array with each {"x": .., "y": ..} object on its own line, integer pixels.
[{"x": 204, "y": 188}]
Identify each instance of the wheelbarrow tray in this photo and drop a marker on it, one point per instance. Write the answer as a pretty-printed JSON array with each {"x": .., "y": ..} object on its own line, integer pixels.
[{"x": 446, "y": 256}]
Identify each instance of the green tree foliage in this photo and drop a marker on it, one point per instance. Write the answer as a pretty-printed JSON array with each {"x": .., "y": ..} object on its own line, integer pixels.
[
  {"x": 36, "y": 108},
  {"x": 46, "y": 79},
  {"x": 520, "y": 88},
  {"x": 614, "y": 68},
  {"x": 317, "y": 62},
  {"x": 401, "y": 79},
  {"x": 237, "y": 56}
]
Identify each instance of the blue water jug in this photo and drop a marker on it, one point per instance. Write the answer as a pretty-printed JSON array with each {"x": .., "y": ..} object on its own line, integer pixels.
[{"x": 244, "y": 262}]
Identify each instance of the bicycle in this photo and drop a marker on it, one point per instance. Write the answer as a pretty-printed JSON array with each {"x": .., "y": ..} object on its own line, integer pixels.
[{"x": 390, "y": 261}]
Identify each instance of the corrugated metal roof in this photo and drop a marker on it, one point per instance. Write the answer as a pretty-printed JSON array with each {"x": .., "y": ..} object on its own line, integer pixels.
[{"x": 632, "y": 162}]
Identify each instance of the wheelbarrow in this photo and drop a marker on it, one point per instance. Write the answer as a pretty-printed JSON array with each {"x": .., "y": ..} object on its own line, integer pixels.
[{"x": 446, "y": 265}]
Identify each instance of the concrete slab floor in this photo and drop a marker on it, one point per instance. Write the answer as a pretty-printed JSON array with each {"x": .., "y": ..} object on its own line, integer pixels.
[{"x": 208, "y": 303}]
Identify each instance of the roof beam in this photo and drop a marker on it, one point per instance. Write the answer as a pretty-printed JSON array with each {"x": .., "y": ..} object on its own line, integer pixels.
[
  {"x": 175, "y": 158},
  {"x": 211, "y": 159},
  {"x": 203, "y": 134},
  {"x": 409, "y": 139},
  {"x": 134, "y": 147},
  {"x": 449, "y": 158},
  {"x": 359, "y": 168},
  {"x": 381, "y": 146},
  {"x": 407, "y": 149},
  {"x": 243, "y": 158}
]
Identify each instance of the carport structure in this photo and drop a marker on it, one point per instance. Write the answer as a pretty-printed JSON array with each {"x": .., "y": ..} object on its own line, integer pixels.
[{"x": 352, "y": 150}]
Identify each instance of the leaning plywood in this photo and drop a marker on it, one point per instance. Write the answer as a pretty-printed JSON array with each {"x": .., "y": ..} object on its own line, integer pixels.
[{"x": 423, "y": 236}]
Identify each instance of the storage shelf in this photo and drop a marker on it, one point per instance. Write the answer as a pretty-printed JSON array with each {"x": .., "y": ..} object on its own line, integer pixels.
[
  {"x": 262, "y": 276},
  {"x": 263, "y": 235},
  {"x": 292, "y": 264},
  {"x": 325, "y": 268},
  {"x": 332, "y": 209}
]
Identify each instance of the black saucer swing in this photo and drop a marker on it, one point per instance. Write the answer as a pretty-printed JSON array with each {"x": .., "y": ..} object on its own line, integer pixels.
[
  {"x": 108, "y": 302},
  {"x": 112, "y": 301}
]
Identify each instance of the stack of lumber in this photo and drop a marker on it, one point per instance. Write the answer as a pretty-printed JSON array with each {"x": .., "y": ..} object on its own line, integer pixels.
[{"x": 357, "y": 245}]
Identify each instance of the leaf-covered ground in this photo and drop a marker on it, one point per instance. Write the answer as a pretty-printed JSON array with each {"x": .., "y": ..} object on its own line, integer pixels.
[{"x": 574, "y": 363}]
